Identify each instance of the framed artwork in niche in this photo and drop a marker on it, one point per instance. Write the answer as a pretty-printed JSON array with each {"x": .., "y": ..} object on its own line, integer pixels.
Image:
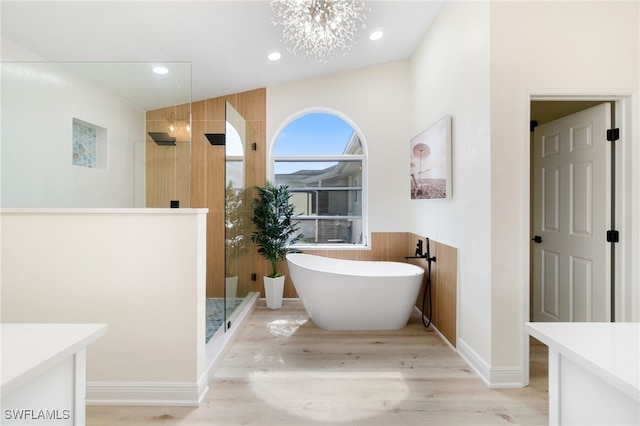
[{"x": 431, "y": 162}]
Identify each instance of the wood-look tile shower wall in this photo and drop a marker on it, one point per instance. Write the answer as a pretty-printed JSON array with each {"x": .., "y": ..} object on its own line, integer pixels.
[
  {"x": 167, "y": 168},
  {"x": 208, "y": 179},
  {"x": 207, "y": 187},
  {"x": 207, "y": 182}
]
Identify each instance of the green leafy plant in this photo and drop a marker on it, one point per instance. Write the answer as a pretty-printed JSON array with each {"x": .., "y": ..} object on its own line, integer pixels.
[{"x": 275, "y": 229}]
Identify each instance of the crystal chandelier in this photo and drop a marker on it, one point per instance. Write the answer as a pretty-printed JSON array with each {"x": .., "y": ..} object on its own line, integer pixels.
[{"x": 319, "y": 28}]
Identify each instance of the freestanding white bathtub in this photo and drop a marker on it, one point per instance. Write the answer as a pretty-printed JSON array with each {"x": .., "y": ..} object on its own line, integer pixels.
[{"x": 355, "y": 295}]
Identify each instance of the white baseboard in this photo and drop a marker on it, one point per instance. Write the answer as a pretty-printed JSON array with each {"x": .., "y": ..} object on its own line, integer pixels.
[
  {"x": 147, "y": 393},
  {"x": 493, "y": 377},
  {"x": 506, "y": 378},
  {"x": 475, "y": 361}
]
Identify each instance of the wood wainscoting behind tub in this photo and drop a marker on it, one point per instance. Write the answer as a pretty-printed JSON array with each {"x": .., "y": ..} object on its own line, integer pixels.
[{"x": 444, "y": 284}]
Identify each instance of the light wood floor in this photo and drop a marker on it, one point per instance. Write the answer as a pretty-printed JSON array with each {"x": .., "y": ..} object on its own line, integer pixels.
[{"x": 283, "y": 370}]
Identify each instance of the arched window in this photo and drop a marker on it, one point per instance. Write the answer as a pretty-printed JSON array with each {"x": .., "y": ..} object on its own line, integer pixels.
[{"x": 322, "y": 158}]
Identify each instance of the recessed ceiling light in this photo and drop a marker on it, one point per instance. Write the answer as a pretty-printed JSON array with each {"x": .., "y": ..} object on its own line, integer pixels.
[
  {"x": 160, "y": 70},
  {"x": 376, "y": 35},
  {"x": 274, "y": 56}
]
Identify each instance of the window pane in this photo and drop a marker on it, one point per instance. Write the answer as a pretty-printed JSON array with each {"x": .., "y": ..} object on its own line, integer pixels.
[
  {"x": 327, "y": 203},
  {"x": 317, "y": 134},
  {"x": 336, "y": 231},
  {"x": 321, "y": 157},
  {"x": 319, "y": 174}
]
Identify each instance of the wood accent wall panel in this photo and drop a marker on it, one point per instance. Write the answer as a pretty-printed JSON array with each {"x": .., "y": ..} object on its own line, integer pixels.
[
  {"x": 158, "y": 160},
  {"x": 215, "y": 254},
  {"x": 385, "y": 246},
  {"x": 199, "y": 167},
  {"x": 199, "y": 145},
  {"x": 252, "y": 105},
  {"x": 168, "y": 168},
  {"x": 183, "y": 174},
  {"x": 445, "y": 303},
  {"x": 444, "y": 284},
  {"x": 160, "y": 174},
  {"x": 378, "y": 246},
  {"x": 215, "y": 107},
  {"x": 215, "y": 173},
  {"x": 397, "y": 243},
  {"x": 167, "y": 174}
]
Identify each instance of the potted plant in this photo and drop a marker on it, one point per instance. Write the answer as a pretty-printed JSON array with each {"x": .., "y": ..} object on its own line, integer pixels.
[{"x": 275, "y": 231}]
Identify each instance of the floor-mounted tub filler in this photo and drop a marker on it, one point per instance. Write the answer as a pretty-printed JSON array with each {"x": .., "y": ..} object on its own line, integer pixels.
[{"x": 355, "y": 295}]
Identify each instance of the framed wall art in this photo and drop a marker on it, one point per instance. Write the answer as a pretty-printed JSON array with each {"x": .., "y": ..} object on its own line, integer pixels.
[{"x": 431, "y": 162}]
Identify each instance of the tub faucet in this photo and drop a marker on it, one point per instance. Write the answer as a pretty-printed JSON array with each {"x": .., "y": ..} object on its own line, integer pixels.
[
  {"x": 420, "y": 254},
  {"x": 428, "y": 255},
  {"x": 419, "y": 249}
]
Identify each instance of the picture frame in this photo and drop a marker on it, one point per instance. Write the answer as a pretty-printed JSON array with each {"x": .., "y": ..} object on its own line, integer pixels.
[{"x": 430, "y": 166}]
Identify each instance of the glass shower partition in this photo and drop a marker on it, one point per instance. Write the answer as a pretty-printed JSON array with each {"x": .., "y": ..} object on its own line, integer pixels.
[
  {"x": 91, "y": 144},
  {"x": 237, "y": 214}
]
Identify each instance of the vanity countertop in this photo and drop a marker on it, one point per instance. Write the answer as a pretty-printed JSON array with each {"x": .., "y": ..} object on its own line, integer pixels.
[
  {"x": 608, "y": 350},
  {"x": 30, "y": 349}
]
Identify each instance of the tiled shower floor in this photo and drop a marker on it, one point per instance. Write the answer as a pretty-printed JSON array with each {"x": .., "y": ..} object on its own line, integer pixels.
[{"x": 215, "y": 313}]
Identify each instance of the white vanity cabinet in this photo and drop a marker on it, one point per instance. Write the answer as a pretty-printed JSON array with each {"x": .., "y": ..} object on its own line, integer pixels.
[
  {"x": 43, "y": 375},
  {"x": 594, "y": 372}
]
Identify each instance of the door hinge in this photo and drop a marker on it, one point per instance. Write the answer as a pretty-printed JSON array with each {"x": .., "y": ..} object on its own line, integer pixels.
[
  {"x": 613, "y": 134},
  {"x": 613, "y": 236}
]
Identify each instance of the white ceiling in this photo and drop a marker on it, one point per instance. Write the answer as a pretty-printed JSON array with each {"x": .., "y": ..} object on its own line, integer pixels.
[{"x": 227, "y": 42}]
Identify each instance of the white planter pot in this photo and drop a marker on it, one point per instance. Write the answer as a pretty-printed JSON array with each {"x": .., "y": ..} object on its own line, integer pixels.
[
  {"x": 230, "y": 287},
  {"x": 273, "y": 291}
]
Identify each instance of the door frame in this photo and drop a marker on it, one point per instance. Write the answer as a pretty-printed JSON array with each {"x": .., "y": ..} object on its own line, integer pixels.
[{"x": 627, "y": 207}]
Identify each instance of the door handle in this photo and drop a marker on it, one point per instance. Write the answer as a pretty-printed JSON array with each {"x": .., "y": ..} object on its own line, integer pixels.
[{"x": 537, "y": 239}]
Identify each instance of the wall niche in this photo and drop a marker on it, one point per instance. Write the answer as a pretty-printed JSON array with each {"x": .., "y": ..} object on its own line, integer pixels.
[{"x": 89, "y": 145}]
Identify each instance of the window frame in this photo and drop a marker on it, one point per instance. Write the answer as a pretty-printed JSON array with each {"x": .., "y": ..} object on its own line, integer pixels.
[{"x": 364, "y": 216}]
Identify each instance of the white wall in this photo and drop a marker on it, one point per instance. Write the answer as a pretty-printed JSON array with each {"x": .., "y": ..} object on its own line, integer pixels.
[
  {"x": 376, "y": 101},
  {"x": 450, "y": 76},
  {"x": 141, "y": 271},
  {"x": 479, "y": 62},
  {"x": 39, "y": 101},
  {"x": 544, "y": 47},
  {"x": 390, "y": 103}
]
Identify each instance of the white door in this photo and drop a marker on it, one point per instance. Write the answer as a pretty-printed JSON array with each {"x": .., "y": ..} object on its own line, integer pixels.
[{"x": 572, "y": 211}]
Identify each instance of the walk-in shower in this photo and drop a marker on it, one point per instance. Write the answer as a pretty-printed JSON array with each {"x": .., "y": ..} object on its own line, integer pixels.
[{"x": 223, "y": 308}]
